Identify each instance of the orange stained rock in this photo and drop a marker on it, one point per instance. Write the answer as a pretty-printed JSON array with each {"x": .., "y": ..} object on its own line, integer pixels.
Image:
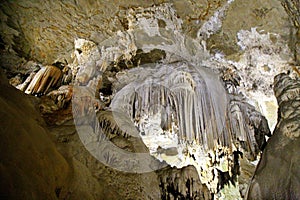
[{"x": 46, "y": 78}]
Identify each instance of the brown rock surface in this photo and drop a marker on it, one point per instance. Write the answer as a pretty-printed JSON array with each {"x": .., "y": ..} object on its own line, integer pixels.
[
  {"x": 277, "y": 175},
  {"x": 267, "y": 16},
  {"x": 182, "y": 183},
  {"x": 45, "y": 30},
  {"x": 30, "y": 165},
  {"x": 33, "y": 167}
]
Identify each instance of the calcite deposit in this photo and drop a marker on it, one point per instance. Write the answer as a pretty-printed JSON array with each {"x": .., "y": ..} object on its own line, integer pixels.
[
  {"x": 277, "y": 174},
  {"x": 150, "y": 99},
  {"x": 43, "y": 80}
]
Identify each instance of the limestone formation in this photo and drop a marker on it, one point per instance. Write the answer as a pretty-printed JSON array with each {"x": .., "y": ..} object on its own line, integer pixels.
[
  {"x": 225, "y": 128},
  {"x": 50, "y": 162},
  {"x": 144, "y": 92},
  {"x": 182, "y": 183},
  {"x": 293, "y": 8},
  {"x": 56, "y": 105},
  {"x": 43, "y": 80},
  {"x": 144, "y": 85},
  {"x": 27, "y": 81},
  {"x": 17, "y": 80},
  {"x": 62, "y": 96},
  {"x": 277, "y": 174},
  {"x": 31, "y": 166},
  {"x": 37, "y": 35},
  {"x": 249, "y": 127}
]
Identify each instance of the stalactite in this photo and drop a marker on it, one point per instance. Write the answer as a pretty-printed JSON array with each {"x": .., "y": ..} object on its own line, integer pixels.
[
  {"x": 43, "y": 80},
  {"x": 111, "y": 128},
  {"x": 196, "y": 103},
  {"x": 190, "y": 106},
  {"x": 182, "y": 95},
  {"x": 182, "y": 184},
  {"x": 248, "y": 126}
]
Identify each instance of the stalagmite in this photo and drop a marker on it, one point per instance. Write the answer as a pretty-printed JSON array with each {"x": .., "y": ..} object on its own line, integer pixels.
[{"x": 277, "y": 174}]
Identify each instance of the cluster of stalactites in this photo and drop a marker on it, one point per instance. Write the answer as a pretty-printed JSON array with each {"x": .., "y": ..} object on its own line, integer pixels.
[
  {"x": 45, "y": 78},
  {"x": 183, "y": 98},
  {"x": 197, "y": 103},
  {"x": 182, "y": 183},
  {"x": 247, "y": 126},
  {"x": 109, "y": 126}
]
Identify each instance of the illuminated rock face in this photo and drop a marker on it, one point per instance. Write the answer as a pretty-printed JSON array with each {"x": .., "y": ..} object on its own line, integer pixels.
[
  {"x": 44, "y": 79},
  {"x": 180, "y": 109},
  {"x": 185, "y": 117},
  {"x": 191, "y": 102},
  {"x": 277, "y": 174},
  {"x": 182, "y": 112}
]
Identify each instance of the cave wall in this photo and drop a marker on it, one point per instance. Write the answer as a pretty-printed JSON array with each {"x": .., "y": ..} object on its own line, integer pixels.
[
  {"x": 277, "y": 175},
  {"x": 39, "y": 161},
  {"x": 31, "y": 166},
  {"x": 44, "y": 31}
]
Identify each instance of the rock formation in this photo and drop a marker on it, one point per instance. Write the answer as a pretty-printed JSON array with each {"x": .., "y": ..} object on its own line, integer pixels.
[
  {"x": 277, "y": 175},
  {"x": 31, "y": 166},
  {"x": 44, "y": 79},
  {"x": 182, "y": 184},
  {"x": 223, "y": 126},
  {"x": 293, "y": 9},
  {"x": 42, "y": 162},
  {"x": 149, "y": 99}
]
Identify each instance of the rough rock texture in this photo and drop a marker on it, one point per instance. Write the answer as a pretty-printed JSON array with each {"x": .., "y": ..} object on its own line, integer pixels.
[
  {"x": 26, "y": 32},
  {"x": 45, "y": 30},
  {"x": 182, "y": 183},
  {"x": 293, "y": 10},
  {"x": 243, "y": 15},
  {"x": 252, "y": 35},
  {"x": 277, "y": 175}
]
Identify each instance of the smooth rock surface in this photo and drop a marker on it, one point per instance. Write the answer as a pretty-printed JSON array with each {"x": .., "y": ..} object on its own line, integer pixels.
[{"x": 30, "y": 165}]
